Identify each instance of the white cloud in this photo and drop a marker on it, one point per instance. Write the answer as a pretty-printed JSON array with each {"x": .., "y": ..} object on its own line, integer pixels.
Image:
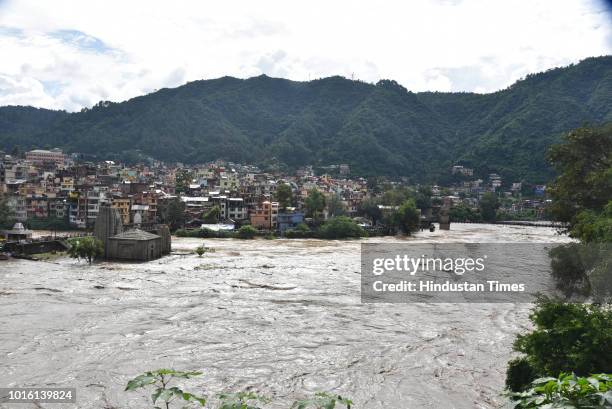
[{"x": 70, "y": 54}]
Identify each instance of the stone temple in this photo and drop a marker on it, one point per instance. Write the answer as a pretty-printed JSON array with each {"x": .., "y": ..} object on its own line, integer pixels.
[{"x": 133, "y": 243}]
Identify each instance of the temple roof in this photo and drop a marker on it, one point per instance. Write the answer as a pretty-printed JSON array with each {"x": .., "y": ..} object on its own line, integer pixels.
[{"x": 135, "y": 234}]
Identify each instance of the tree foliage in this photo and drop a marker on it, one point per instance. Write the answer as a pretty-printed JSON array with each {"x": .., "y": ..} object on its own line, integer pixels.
[
  {"x": 335, "y": 207},
  {"x": 378, "y": 129},
  {"x": 6, "y": 215},
  {"x": 340, "y": 227},
  {"x": 489, "y": 203},
  {"x": 408, "y": 217},
  {"x": 213, "y": 215},
  {"x": 369, "y": 208},
  {"x": 314, "y": 203},
  {"x": 566, "y": 338},
  {"x": 284, "y": 196},
  {"x": 88, "y": 248},
  {"x": 247, "y": 232},
  {"x": 172, "y": 213},
  {"x": 584, "y": 164}
]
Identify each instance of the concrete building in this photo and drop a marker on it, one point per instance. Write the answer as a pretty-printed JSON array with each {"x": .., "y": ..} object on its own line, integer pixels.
[
  {"x": 234, "y": 209},
  {"x": 123, "y": 205},
  {"x": 265, "y": 216},
  {"x": 287, "y": 221},
  {"x": 17, "y": 205},
  {"x": 41, "y": 156}
]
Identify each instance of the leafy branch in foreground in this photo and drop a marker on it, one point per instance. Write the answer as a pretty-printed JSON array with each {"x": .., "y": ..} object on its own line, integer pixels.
[
  {"x": 567, "y": 391},
  {"x": 322, "y": 400},
  {"x": 167, "y": 395},
  {"x": 240, "y": 400},
  {"x": 160, "y": 380}
]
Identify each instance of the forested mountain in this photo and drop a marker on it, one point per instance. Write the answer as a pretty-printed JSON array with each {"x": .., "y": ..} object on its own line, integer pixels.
[{"x": 377, "y": 129}]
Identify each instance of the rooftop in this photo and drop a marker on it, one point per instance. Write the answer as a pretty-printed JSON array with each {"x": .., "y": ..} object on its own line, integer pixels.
[{"x": 135, "y": 234}]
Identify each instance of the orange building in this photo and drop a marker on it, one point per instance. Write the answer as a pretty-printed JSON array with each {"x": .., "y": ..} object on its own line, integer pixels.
[{"x": 265, "y": 216}]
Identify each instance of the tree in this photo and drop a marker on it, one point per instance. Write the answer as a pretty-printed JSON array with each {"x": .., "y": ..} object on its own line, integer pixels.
[
  {"x": 463, "y": 213},
  {"x": 396, "y": 196},
  {"x": 173, "y": 213},
  {"x": 87, "y": 248},
  {"x": 6, "y": 215},
  {"x": 182, "y": 180},
  {"x": 408, "y": 217},
  {"x": 488, "y": 206},
  {"x": 591, "y": 226},
  {"x": 567, "y": 338},
  {"x": 284, "y": 196},
  {"x": 423, "y": 198},
  {"x": 314, "y": 203},
  {"x": 335, "y": 207},
  {"x": 369, "y": 208},
  {"x": 584, "y": 164},
  {"x": 247, "y": 232},
  {"x": 212, "y": 216},
  {"x": 341, "y": 227}
]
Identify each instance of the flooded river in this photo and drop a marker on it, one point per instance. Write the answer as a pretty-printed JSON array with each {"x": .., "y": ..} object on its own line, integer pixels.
[{"x": 280, "y": 317}]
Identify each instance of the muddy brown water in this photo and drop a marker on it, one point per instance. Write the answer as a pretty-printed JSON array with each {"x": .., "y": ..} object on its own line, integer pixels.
[{"x": 279, "y": 317}]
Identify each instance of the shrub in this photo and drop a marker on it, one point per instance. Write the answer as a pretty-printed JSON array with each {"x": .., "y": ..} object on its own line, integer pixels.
[
  {"x": 339, "y": 228},
  {"x": 247, "y": 232},
  {"x": 519, "y": 374},
  {"x": 408, "y": 217},
  {"x": 301, "y": 231},
  {"x": 87, "y": 248},
  {"x": 567, "y": 338}
]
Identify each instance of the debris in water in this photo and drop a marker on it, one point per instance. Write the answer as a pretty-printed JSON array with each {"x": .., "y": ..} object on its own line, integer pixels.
[{"x": 266, "y": 286}]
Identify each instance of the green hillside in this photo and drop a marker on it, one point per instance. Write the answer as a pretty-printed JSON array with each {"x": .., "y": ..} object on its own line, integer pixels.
[{"x": 377, "y": 129}]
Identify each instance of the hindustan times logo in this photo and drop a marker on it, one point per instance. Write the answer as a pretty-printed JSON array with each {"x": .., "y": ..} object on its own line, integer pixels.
[{"x": 412, "y": 265}]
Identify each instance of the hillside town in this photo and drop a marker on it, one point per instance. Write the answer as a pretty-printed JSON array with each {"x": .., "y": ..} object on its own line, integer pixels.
[{"x": 48, "y": 189}]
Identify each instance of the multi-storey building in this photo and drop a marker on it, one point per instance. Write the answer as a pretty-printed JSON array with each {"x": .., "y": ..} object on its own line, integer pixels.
[
  {"x": 265, "y": 216},
  {"x": 40, "y": 156},
  {"x": 122, "y": 204}
]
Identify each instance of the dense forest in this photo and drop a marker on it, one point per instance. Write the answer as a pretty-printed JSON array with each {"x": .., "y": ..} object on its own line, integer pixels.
[{"x": 379, "y": 129}]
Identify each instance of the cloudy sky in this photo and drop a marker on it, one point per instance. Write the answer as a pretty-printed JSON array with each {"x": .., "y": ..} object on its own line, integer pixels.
[{"x": 64, "y": 54}]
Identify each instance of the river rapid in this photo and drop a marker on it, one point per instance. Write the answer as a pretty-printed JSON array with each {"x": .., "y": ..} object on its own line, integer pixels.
[{"x": 279, "y": 317}]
